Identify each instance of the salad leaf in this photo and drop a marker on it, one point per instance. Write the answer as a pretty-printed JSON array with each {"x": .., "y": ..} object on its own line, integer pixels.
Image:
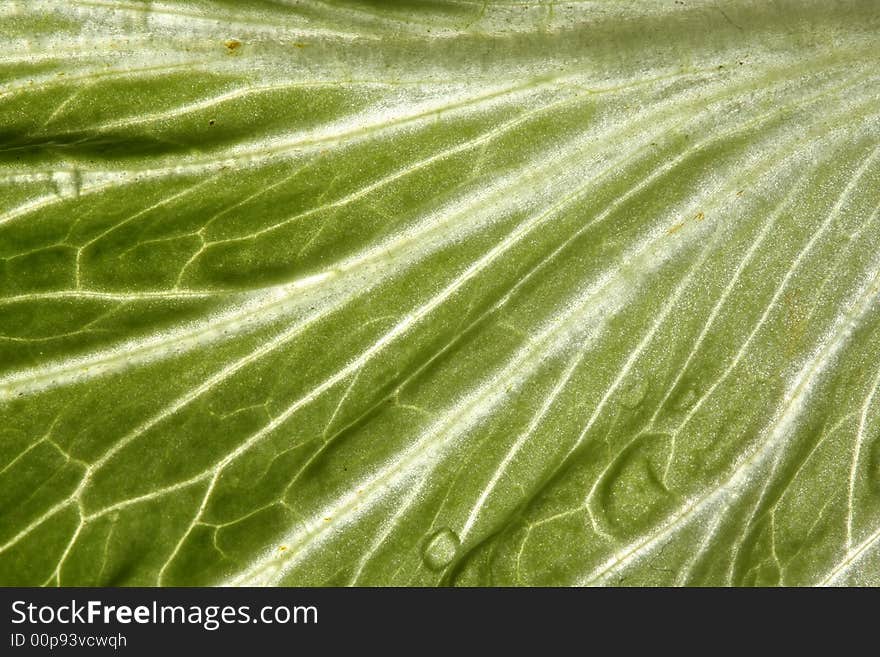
[{"x": 439, "y": 292}]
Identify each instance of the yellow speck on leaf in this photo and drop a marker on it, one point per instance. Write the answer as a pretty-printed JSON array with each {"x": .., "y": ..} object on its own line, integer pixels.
[
  {"x": 283, "y": 548},
  {"x": 676, "y": 228},
  {"x": 232, "y": 45},
  {"x": 699, "y": 216}
]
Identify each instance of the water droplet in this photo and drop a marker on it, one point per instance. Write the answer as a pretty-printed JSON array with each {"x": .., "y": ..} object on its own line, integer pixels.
[
  {"x": 686, "y": 400},
  {"x": 633, "y": 394},
  {"x": 440, "y": 548},
  {"x": 632, "y": 492},
  {"x": 67, "y": 183}
]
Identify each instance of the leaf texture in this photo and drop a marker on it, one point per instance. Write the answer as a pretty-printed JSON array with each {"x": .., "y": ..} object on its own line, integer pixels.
[{"x": 452, "y": 292}]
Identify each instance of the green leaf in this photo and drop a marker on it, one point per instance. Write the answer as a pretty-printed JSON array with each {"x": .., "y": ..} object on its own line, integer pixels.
[{"x": 450, "y": 292}]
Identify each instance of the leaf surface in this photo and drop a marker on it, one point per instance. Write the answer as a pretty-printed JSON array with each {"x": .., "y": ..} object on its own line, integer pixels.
[{"x": 453, "y": 292}]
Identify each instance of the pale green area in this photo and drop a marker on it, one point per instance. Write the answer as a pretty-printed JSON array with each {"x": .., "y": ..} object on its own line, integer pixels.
[{"x": 452, "y": 292}]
